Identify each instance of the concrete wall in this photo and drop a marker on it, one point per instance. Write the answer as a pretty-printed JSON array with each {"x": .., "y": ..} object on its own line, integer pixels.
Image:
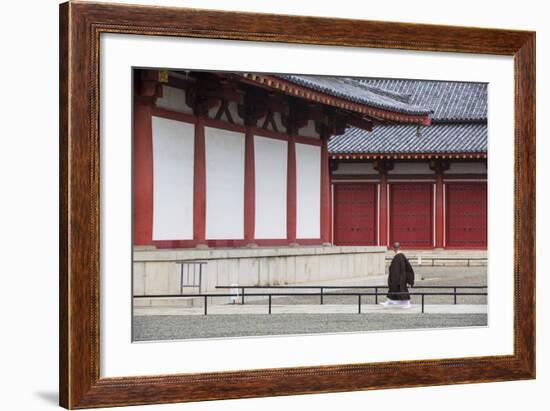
[{"x": 156, "y": 272}]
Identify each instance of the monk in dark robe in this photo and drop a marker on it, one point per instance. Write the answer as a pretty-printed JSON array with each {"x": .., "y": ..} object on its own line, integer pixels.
[{"x": 401, "y": 275}]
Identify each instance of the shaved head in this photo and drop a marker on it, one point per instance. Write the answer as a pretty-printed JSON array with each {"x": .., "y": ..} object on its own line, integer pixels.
[{"x": 396, "y": 246}]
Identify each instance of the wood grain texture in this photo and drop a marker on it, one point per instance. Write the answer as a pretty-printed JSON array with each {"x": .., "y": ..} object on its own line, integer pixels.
[{"x": 80, "y": 382}]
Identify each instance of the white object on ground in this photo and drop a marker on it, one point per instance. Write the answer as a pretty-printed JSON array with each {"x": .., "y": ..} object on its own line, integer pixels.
[{"x": 234, "y": 290}]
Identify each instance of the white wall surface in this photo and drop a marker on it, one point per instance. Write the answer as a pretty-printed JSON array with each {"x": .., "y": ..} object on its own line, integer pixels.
[
  {"x": 234, "y": 110},
  {"x": 173, "y": 149},
  {"x": 270, "y": 158},
  {"x": 224, "y": 184},
  {"x": 29, "y": 356},
  {"x": 173, "y": 99},
  {"x": 356, "y": 168},
  {"x": 308, "y": 191},
  {"x": 309, "y": 130},
  {"x": 411, "y": 168},
  {"x": 467, "y": 167}
]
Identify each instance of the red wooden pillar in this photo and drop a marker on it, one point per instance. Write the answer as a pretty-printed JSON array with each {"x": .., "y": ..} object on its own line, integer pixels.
[
  {"x": 291, "y": 191},
  {"x": 325, "y": 194},
  {"x": 143, "y": 174},
  {"x": 383, "y": 211},
  {"x": 439, "y": 217},
  {"x": 199, "y": 184},
  {"x": 249, "y": 187}
]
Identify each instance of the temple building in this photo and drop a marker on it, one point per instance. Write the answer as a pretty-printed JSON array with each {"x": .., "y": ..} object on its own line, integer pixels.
[
  {"x": 425, "y": 187},
  {"x": 285, "y": 179},
  {"x": 230, "y": 160}
]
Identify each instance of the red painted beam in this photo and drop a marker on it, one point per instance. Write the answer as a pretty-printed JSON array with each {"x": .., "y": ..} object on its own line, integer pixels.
[
  {"x": 383, "y": 211},
  {"x": 291, "y": 192},
  {"x": 325, "y": 194},
  {"x": 439, "y": 218},
  {"x": 143, "y": 174},
  {"x": 199, "y": 183},
  {"x": 249, "y": 187}
]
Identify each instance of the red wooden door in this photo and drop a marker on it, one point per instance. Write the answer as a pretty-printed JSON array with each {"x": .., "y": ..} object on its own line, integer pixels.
[
  {"x": 411, "y": 214},
  {"x": 355, "y": 214},
  {"x": 466, "y": 215}
]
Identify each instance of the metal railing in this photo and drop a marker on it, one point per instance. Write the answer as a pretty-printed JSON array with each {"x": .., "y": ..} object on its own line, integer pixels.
[
  {"x": 191, "y": 278},
  {"x": 414, "y": 260},
  {"x": 322, "y": 289},
  {"x": 270, "y": 295}
]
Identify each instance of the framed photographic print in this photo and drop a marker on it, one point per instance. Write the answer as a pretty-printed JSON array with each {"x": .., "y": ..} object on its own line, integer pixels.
[{"x": 256, "y": 205}]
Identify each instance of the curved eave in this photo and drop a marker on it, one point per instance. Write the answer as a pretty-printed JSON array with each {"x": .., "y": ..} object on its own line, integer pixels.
[
  {"x": 305, "y": 93},
  {"x": 408, "y": 156}
]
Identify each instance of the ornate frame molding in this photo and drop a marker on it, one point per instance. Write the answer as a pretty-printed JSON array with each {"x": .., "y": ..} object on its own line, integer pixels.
[{"x": 80, "y": 27}]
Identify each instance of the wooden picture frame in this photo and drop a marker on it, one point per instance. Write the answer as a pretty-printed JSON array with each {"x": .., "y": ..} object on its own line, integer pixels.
[{"x": 80, "y": 27}]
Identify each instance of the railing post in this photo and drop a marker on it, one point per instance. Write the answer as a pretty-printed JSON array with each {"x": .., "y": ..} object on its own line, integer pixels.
[
  {"x": 455, "y": 295},
  {"x": 242, "y": 295},
  {"x": 205, "y": 305},
  {"x": 269, "y": 304},
  {"x": 359, "y": 303},
  {"x": 376, "y": 295},
  {"x": 321, "y": 295},
  {"x": 422, "y": 303},
  {"x": 181, "y": 278}
]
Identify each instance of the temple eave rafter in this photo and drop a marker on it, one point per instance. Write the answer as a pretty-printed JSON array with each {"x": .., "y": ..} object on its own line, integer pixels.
[
  {"x": 291, "y": 89},
  {"x": 407, "y": 156}
]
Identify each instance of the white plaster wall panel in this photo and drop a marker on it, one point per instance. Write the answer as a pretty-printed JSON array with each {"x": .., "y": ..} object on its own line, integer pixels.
[
  {"x": 173, "y": 147},
  {"x": 356, "y": 168},
  {"x": 270, "y": 163},
  {"x": 233, "y": 109},
  {"x": 212, "y": 111},
  {"x": 173, "y": 99},
  {"x": 279, "y": 122},
  {"x": 308, "y": 191},
  {"x": 411, "y": 168},
  {"x": 224, "y": 184},
  {"x": 309, "y": 130},
  {"x": 467, "y": 168}
]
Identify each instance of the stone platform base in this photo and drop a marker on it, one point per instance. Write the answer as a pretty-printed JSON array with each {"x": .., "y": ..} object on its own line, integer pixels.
[{"x": 156, "y": 272}]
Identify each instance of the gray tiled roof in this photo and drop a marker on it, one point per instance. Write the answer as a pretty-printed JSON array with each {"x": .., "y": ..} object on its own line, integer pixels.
[
  {"x": 358, "y": 92},
  {"x": 437, "y": 138},
  {"x": 449, "y": 100},
  {"x": 459, "y": 120}
]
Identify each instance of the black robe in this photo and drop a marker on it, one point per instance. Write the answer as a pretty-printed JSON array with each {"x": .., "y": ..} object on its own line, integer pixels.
[{"x": 400, "y": 274}]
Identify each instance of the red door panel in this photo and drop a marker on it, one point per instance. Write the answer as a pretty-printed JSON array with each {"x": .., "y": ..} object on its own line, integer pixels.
[
  {"x": 466, "y": 215},
  {"x": 355, "y": 214},
  {"x": 411, "y": 214}
]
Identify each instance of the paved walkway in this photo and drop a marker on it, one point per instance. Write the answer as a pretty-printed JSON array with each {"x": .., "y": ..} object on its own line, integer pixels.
[{"x": 312, "y": 309}]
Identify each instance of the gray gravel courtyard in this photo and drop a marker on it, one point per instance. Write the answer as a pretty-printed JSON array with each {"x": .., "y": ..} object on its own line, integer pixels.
[
  {"x": 175, "y": 327},
  {"x": 170, "y": 327}
]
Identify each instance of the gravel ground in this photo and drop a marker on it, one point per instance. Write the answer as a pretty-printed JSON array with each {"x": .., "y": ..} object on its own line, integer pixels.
[
  {"x": 439, "y": 276},
  {"x": 151, "y": 328},
  {"x": 169, "y": 327}
]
